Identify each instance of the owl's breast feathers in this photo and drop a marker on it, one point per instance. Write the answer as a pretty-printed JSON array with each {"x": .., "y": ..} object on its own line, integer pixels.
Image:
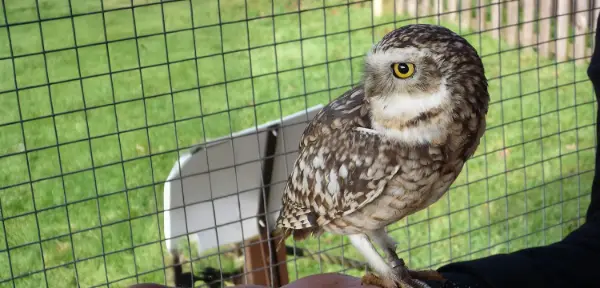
[{"x": 343, "y": 165}]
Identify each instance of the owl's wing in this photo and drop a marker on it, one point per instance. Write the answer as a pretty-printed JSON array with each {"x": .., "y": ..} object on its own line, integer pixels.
[{"x": 337, "y": 172}]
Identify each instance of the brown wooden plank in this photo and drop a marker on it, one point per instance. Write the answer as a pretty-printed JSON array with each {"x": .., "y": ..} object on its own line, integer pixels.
[
  {"x": 257, "y": 263},
  {"x": 281, "y": 263},
  {"x": 255, "y": 266}
]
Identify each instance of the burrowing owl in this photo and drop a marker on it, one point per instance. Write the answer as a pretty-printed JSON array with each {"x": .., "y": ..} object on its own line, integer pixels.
[{"x": 389, "y": 147}]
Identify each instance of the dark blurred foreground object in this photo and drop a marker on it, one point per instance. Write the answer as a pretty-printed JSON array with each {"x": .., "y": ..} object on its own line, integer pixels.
[{"x": 329, "y": 280}]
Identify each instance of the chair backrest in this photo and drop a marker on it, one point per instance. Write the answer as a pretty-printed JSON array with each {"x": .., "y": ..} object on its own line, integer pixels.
[{"x": 221, "y": 184}]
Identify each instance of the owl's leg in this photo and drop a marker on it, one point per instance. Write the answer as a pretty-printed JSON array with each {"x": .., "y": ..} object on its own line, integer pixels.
[
  {"x": 383, "y": 240},
  {"x": 388, "y": 278},
  {"x": 388, "y": 245}
]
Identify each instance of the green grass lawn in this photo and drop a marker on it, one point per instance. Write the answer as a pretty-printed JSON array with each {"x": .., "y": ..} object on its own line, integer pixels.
[{"x": 115, "y": 135}]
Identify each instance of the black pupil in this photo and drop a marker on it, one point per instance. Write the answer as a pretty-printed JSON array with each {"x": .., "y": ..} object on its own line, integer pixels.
[{"x": 403, "y": 68}]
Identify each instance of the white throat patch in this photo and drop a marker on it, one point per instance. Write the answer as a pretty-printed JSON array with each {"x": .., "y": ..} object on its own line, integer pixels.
[
  {"x": 405, "y": 107},
  {"x": 409, "y": 106}
]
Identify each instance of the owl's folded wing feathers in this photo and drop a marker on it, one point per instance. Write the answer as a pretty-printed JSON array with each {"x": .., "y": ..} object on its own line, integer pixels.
[{"x": 336, "y": 173}]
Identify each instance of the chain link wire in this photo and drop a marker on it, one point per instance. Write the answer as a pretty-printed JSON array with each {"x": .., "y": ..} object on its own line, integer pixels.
[{"x": 99, "y": 100}]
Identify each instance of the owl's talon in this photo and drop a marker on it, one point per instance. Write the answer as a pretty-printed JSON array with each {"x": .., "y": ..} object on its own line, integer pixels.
[
  {"x": 413, "y": 279},
  {"x": 374, "y": 280},
  {"x": 400, "y": 270},
  {"x": 397, "y": 263},
  {"x": 371, "y": 279}
]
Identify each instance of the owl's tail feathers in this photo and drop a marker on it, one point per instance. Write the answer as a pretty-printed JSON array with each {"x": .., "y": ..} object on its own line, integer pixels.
[
  {"x": 297, "y": 234},
  {"x": 283, "y": 233},
  {"x": 296, "y": 218},
  {"x": 297, "y": 222}
]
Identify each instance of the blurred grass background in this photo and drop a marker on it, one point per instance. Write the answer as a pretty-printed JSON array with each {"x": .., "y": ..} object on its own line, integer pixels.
[{"x": 111, "y": 114}]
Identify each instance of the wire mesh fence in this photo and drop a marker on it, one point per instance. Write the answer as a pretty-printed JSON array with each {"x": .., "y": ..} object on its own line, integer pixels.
[{"x": 101, "y": 102}]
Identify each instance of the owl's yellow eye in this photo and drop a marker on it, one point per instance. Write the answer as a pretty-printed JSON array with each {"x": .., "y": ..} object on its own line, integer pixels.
[{"x": 403, "y": 70}]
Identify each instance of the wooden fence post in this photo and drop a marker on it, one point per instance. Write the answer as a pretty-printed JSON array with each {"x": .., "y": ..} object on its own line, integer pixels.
[
  {"x": 481, "y": 15},
  {"x": 377, "y": 7},
  {"x": 544, "y": 29},
  {"x": 412, "y": 8},
  {"x": 512, "y": 30},
  {"x": 465, "y": 14},
  {"x": 581, "y": 24},
  {"x": 424, "y": 8},
  {"x": 400, "y": 7},
  {"x": 562, "y": 26},
  {"x": 452, "y": 8},
  {"x": 495, "y": 27},
  {"x": 436, "y": 9},
  {"x": 528, "y": 16}
]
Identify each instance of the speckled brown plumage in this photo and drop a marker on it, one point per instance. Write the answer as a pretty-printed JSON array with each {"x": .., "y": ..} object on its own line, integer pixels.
[{"x": 358, "y": 168}]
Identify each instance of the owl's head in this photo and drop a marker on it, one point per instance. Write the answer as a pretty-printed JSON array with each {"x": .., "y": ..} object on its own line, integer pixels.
[{"x": 420, "y": 71}]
